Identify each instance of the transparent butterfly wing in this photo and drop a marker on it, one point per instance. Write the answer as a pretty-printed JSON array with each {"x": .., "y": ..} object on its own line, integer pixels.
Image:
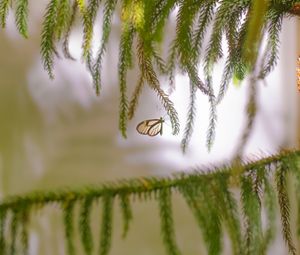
[
  {"x": 155, "y": 129},
  {"x": 150, "y": 127}
]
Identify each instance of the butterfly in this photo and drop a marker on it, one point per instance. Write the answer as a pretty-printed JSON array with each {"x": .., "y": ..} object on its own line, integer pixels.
[{"x": 151, "y": 127}]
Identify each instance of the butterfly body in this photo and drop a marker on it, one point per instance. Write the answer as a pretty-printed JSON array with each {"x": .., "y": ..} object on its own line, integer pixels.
[{"x": 151, "y": 127}]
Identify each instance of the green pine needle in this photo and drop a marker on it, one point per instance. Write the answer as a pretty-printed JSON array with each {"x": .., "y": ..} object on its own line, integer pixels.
[
  {"x": 270, "y": 205},
  {"x": 106, "y": 227},
  {"x": 284, "y": 206},
  {"x": 4, "y": 7},
  {"x": 68, "y": 218},
  {"x": 47, "y": 44},
  {"x": 126, "y": 213},
  {"x": 167, "y": 224},
  {"x": 13, "y": 232},
  {"x": 125, "y": 62},
  {"x": 109, "y": 8},
  {"x": 190, "y": 122},
  {"x": 21, "y": 17},
  {"x": 252, "y": 216},
  {"x": 63, "y": 18},
  {"x": 66, "y": 36},
  {"x": 84, "y": 225},
  {"x": 3, "y": 219}
]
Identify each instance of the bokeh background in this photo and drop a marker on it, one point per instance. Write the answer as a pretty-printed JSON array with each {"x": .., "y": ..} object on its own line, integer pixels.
[{"x": 56, "y": 134}]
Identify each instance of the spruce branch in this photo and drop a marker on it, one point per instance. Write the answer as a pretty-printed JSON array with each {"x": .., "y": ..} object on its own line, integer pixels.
[
  {"x": 68, "y": 218},
  {"x": 125, "y": 62},
  {"x": 135, "y": 96},
  {"x": 155, "y": 18},
  {"x": 184, "y": 24},
  {"x": 240, "y": 68},
  {"x": 106, "y": 227},
  {"x": 271, "y": 51},
  {"x": 109, "y": 8},
  {"x": 294, "y": 166},
  {"x": 190, "y": 121},
  {"x": 207, "y": 193},
  {"x": 126, "y": 213},
  {"x": 232, "y": 36},
  {"x": 47, "y": 44},
  {"x": 21, "y": 17},
  {"x": 136, "y": 186},
  {"x": 84, "y": 225},
  {"x": 63, "y": 18},
  {"x": 14, "y": 231},
  {"x": 4, "y": 7},
  {"x": 205, "y": 17},
  {"x": 270, "y": 205},
  {"x": 81, "y": 6},
  {"x": 252, "y": 218},
  {"x": 202, "y": 202},
  {"x": 167, "y": 224},
  {"x": 227, "y": 206},
  {"x": 24, "y": 232},
  {"x": 66, "y": 37},
  {"x": 89, "y": 14},
  {"x": 3, "y": 219},
  {"x": 284, "y": 206}
]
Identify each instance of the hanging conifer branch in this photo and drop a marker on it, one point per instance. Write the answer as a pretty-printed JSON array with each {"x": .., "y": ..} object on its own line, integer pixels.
[
  {"x": 84, "y": 225},
  {"x": 4, "y": 7},
  {"x": 47, "y": 44},
  {"x": 167, "y": 224},
  {"x": 233, "y": 20},
  {"x": 66, "y": 36},
  {"x": 126, "y": 213},
  {"x": 284, "y": 206},
  {"x": 190, "y": 121},
  {"x": 21, "y": 17},
  {"x": 68, "y": 218}
]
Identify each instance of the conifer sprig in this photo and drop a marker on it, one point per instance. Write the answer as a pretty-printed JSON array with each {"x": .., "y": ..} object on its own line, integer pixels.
[
  {"x": 66, "y": 36},
  {"x": 106, "y": 225},
  {"x": 85, "y": 227},
  {"x": 207, "y": 193},
  {"x": 236, "y": 21},
  {"x": 68, "y": 218},
  {"x": 190, "y": 121},
  {"x": 4, "y": 7},
  {"x": 252, "y": 218},
  {"x": 3, "y": 217},
  {"x": 47, "y": 44},
  {"x": 284, "y": 205},
  {"x": 109, "y": 8},
  {"x": 126, "y": 213},
  {"x": 167, "y": 224},
  {"x": 271, "y": 51},
  {"x": 21, "y": 17},
  {"x": 125, "y": 62},
  {"x": 63, "y": 18}
]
